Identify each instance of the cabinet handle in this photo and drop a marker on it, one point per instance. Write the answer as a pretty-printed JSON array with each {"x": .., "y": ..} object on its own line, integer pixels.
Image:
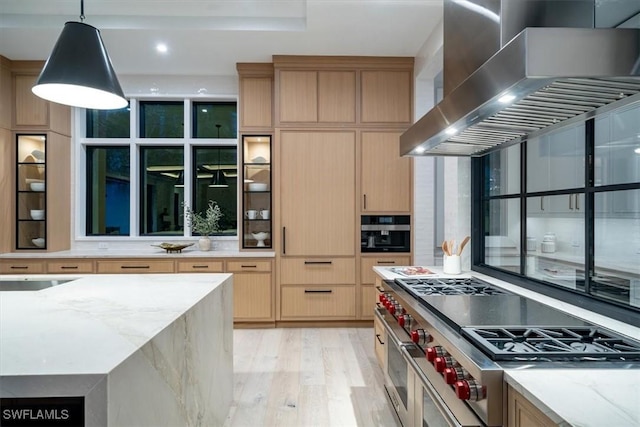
[
  {"x": 385, "y": 262},
  {"x": 248, "y": 266},
  {"x": 379, "y": 288},
  {"x": 134, "y": 266},
  {"x": 542, "y": 203},
  {"x": 318, "y": 291},
  {"x": 317, "y": 262},
  {"x": 365, "y": 202},
  {"x": 577, "y": 202},
  {"x": 68, "y": 267},
  {"x": 19, "y": 267},
  {"x": 199, "y": 266},
  {"x": 379, "y": 340},
  {"x": 571, "y": 202},
  {"x": 284, "y": 240}
]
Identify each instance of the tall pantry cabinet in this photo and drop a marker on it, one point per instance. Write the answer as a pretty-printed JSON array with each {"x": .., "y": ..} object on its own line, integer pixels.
[{"x": 336, "y": 127}]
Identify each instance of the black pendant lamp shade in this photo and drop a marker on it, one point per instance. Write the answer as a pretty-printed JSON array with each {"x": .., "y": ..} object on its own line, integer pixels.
[{"x": 79, "y": 72}]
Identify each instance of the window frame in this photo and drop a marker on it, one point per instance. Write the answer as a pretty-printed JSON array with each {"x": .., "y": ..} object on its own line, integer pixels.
[{"x": 134, "y": 142}]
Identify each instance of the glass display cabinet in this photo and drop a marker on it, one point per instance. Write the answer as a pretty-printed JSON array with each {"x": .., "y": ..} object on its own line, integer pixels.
[
  {"x": 256, "y": 193},
  {"x": 31, "y": 200}
]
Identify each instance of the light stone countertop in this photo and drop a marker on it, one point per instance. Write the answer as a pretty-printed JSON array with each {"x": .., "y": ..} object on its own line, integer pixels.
[
  {"x": 577, "y": 397},
  {"x": 91, "y": 325},
  {"x": 150, "y": 252}
]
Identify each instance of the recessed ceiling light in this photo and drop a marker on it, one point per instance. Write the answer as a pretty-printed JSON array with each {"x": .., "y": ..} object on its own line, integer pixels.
[
  {"x": 162, "y": 48},
  {"x": 419, "y": 150},
  {"x": 637, "y": 150},
  {"x": 451, "y": 130}
]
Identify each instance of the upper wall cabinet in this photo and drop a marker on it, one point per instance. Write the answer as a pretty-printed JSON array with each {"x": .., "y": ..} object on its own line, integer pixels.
[
  {"x": 335, "y": 90},
  {"x": 6, "y": 100},
  {"x": 32, "y": 112},
  {"x": 317, "y": 96},
  {"x": 386, "y": 96},
  {"x": 256, "y": 96}
]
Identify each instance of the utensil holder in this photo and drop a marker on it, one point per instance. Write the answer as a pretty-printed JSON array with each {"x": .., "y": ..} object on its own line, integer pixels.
[{"x": 451, "y": 264}]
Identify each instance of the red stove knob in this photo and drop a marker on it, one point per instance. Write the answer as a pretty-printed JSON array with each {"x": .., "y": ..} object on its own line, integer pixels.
[
  {"x": 404, "y": 320},
  {"x": 469, "y": 390},
  {"x": 451, "y": 375},
  {"x": 382, "y": 298},
  {"x": 432, "y": 352},
  {"x": 421, "y": 337},
  {"x": 397, "y": 309},
  {"x": 443, "y": 362}
]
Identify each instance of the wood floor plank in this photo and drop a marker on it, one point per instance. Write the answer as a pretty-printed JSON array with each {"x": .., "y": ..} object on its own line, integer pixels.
[{"x": 306, "y": 378}]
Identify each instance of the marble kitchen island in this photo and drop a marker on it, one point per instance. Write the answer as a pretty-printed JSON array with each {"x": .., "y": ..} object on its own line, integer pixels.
[{"x": 143, "y": 350}]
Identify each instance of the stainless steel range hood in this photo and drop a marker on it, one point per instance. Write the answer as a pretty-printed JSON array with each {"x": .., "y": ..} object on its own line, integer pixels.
[{"x": 542, "y": 77}]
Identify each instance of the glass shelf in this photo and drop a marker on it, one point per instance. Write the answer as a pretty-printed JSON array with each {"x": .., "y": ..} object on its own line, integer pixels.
[{"x": 31, "y": 171}]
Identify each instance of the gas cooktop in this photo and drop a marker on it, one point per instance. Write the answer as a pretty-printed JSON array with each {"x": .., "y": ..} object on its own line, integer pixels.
[
  {"x": 552, "y": 343},
  {"x": 450, "y": 286}
]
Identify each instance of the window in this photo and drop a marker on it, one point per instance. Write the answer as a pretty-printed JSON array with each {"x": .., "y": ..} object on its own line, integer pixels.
[
  {"x": 161, "y": 190},
  {"x": 222, "y": 188},
  {"x": 215, "y": 120},
  {"x": 569, "y": 213},
  {"x": 108, "y": 187},
  {"x": 163, "y": 119},
  {"x": 108, "y": 123},
  {"x": 138, "y": 185}
]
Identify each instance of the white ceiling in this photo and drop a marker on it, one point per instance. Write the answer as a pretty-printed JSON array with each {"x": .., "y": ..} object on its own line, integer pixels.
[{"x": 208, "y": 37}]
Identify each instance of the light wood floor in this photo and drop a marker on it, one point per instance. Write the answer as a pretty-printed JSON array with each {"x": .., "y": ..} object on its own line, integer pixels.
[{"x": 307, "y": 377}]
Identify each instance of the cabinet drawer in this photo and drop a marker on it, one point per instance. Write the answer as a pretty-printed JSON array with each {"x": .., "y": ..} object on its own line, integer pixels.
[
  {"x": 70, "y": 266},
  {"x": 317, "y": 302},
  {"x": 135, "y": 266},
  {"x": 22, "y": 267},
  {"x": 322, "y": 271},
  {"x": 366, "y": 265},
  {"x": 200, "y": 266},
  {"x": 248, "y": 266}
]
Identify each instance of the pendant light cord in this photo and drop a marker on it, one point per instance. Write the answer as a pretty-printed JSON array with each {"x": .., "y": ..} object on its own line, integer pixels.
[{"x": 81, "y": 10}]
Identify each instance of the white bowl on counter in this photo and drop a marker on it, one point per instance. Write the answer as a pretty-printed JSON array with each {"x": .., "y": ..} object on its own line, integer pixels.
[
  {"x": 39, "y": 242},
  {"x": 257, "y": 186},
  {"x": 37, "y": 186},
  {"x": 36, "y": 213}
]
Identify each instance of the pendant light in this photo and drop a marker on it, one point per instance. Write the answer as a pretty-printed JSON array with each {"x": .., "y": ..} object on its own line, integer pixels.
[
  {"x": 180, "y": 180},
  {"x": 79, "y": 72},
  {"x": 218, "y": 179}
]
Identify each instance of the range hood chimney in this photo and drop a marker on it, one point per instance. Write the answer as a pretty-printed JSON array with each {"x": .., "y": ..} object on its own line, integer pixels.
[{"x": 514, "y": 68}]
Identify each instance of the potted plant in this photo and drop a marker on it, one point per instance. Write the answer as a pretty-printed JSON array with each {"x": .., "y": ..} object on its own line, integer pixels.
[{"x": 204, "y": 224}]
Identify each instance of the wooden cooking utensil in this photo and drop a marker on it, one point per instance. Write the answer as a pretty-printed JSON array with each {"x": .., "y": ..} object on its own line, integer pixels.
[
  {"x": 463, "y": 244},
  {"x": 445, "y": 249}
]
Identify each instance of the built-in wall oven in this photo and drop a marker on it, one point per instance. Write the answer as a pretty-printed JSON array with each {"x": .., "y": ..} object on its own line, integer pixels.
[{"x": 385, "y": 233}]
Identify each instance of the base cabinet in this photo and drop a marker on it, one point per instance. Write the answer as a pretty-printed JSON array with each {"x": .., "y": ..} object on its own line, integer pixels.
[
  {"x": 252, "y": 290},
  {"x": 317, "y": 302},
  {"x": 522, "y": 413}
]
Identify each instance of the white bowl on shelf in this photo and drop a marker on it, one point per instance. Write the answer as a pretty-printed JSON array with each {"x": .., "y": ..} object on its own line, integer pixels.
[
  {"x": 257, "y": 186},
  {"x": 36, "y": 213},
  {"x": 260, "y": 237},
  {"x": 37, "y": 186},
  {"x": 39, "y": 242}
]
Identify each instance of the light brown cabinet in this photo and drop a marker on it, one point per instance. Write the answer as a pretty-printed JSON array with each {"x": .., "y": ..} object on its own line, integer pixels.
[
  {"x": 522, "y": 413},
  {"x": 252, "y": 290},
  {"x": 317, "y": 193},
  {"x": 70, "y": 266},
  {"x": 379, "y": 343},
  {"x": 134, "y": 266},
  {"x": 309, "y": 271},
  {"x": 309, "y": 96},
  {"x": 386, "y": 96},
  {"x": 199, "y": 266},
  {"x": 317, "y": 302},
  {"x": 386, "y": 178},
  {"x": 16, "y": 266},
  {"x": 255, "y": 105}
]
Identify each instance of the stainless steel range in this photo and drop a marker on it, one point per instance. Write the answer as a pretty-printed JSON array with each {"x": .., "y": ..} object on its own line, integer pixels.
[{"x": 457, "y": 336}]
